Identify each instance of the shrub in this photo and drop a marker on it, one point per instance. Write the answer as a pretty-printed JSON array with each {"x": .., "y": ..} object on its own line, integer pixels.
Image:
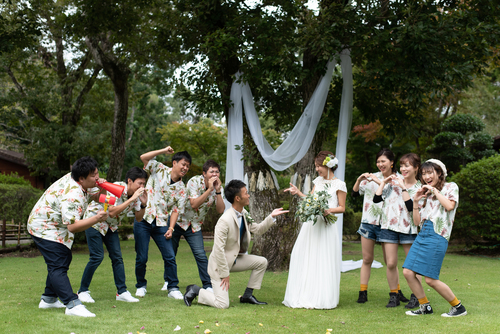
[
  {"x": 17, "y": 201},
  {"x": 352, "y": 220},
  {"x": 13, "y": 178},
  {"x": 478, "y": 214}
]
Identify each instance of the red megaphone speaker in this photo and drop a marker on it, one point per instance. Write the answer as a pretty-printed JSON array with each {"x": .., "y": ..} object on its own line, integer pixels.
[
  {"x": 115, "y": 189},
  {"x": 107, "y": 200}
]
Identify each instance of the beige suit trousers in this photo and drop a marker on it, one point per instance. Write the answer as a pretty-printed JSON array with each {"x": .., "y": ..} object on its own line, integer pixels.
[{"x": 220, "y": 298}]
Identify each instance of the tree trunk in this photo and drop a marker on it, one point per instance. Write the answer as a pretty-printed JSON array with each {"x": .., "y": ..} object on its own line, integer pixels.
[
  {"x": 119, "y": 127},
  {"x": 118, "y": 72}
]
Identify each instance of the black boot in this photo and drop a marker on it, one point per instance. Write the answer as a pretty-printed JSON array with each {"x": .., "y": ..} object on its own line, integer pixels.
[
  {"x": 402, "y": 298},
  {"x": 393, "y": 299},
  {"x": 363, "y": 297},
  {"x": 413, "y": 302}
]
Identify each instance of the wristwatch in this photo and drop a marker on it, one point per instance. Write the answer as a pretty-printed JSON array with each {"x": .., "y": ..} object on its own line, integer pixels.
[
  {"x": 143, "y": 206},
  {"x": 405, "y": 190}
]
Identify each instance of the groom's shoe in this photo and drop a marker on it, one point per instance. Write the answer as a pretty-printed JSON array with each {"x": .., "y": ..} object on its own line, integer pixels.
[
  {"x": 251, "y": 300},
  {"x": 190, "y": 294}
]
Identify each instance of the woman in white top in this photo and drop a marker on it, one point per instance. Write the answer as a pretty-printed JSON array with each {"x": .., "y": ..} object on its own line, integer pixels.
[
  {"x": 397, "y": 227},
  {"x": 316, "y": 260},
  {"x": 434, "y": 208},
  {"x": 367, "y": 184}
]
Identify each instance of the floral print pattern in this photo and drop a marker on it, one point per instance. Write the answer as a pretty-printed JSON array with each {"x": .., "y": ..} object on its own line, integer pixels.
[
  {"x": 435, "y": 212},
  {"x": 163, "y": 197},
  {"x": 395, "y": 215},
  {"x": 194, "y": 217},
  {"x": 372, "y": 212},
  {"x": 62, "y": 204},
  {"x": 112, "y": 223}
]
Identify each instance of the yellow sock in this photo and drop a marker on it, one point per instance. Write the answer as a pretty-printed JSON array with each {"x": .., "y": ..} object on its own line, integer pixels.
[
  {"x": 423, "y": 300},
  {"x": 454, "y": 302},
  {"x": 399, "y": 288},
  {"x": 394, "y": 291},
  {"x": 363, "y": 287}
]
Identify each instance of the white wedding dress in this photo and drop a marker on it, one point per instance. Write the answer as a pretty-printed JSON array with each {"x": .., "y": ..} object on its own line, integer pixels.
[{"x": 316, "y": 260}]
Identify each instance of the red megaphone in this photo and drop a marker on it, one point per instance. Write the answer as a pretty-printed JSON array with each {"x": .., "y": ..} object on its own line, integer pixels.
[
  {"x": 115, "y": 189},
  {"x": 107, "y": 200}
]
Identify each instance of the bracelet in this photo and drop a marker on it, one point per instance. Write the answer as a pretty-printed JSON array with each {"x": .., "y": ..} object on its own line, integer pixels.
[
  {"x": 405, "y": 190},
  {"x": 171, "y": 228},
  {"x": 415, "y": 208},
  {"x": 218, "y": 193}
]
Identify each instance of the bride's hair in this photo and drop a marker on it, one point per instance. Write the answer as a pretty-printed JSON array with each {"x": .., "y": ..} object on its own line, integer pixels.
[{"x": 322, "y": 156}]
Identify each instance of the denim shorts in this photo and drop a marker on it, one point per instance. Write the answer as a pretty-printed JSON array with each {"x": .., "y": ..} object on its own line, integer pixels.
[
  {"x": 369, "y": 231},
  {"x": 393, "y": 237}
]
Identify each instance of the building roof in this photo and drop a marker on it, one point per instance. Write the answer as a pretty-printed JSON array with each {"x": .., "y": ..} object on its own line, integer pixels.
[{"x": 15, "y": 157}]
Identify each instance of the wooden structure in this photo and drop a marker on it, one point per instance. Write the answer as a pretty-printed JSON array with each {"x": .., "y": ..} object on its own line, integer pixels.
[
  {"x": 14, "y": 162},
  {"x": 13, "y": 232}
]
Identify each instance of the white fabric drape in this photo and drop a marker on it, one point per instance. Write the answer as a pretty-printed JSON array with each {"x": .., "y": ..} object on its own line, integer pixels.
[{"x": 299, "y": 140}]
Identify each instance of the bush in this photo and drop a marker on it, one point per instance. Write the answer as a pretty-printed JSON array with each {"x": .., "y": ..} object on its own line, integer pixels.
[
  {"x": 352, "y": 220},
  {"x": 13, "y": 178},
  {"x": 478, "y": 214},
  {"x": 17, "y": 201}
]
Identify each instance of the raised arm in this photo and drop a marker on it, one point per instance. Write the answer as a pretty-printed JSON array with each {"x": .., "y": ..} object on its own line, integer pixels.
[{"x": 152, "y": 154}]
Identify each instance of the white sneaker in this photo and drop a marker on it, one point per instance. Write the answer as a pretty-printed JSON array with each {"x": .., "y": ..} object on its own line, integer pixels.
[
  {"x": 126, "y": 297},
  {"x": 165, "y": 287},
  {"x": 56, "y": 304},
  {"x": 141, "y": 292},
  {"x": 176, "y": 294},
  {"x": 80, "y": 311},
  {"x": 85, "y": 297},
  {"x": 210, "y": 290}
]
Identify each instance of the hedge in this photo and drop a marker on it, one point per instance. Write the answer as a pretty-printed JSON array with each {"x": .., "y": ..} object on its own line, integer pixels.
[
  {"x": 477, "y": 221},
  {"x": 16, "y": 201}
]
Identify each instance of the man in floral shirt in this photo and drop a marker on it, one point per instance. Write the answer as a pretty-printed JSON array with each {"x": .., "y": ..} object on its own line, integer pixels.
[
  {"x": 202, "y": 192},
  {"x": 166, "y": 199},
  {"x": 52, "y": 223},
  {"x": 133, "y": 199}
]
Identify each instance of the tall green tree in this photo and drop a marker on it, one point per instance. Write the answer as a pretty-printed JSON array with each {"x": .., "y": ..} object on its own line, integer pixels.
[{"x": 48, "y": 82}]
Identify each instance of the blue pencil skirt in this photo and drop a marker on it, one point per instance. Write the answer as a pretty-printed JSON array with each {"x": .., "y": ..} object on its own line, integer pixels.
[{"x": 427, "y": 252}]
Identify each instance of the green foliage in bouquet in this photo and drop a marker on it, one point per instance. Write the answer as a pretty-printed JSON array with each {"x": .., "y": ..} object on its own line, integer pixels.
[{"x": 314, "y": 205}]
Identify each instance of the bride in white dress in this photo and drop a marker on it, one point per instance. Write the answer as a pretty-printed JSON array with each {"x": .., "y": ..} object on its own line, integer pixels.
[{"x": 316, "y": 260}]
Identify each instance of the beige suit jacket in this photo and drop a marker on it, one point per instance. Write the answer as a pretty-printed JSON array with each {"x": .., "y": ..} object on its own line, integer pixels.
[{"x": 227, "y": 243}]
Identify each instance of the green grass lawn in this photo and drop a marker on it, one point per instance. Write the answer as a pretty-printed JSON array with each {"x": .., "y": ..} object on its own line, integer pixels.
[{"x": 475, "y": 280}]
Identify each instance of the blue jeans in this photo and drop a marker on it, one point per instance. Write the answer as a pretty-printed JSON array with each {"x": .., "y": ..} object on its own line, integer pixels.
[
  {"x": 58, "y": 258},
  {"x": 143, "y": 232},
  {"x": 95, "y": 242},
  {"x": 195, "y": 241}
]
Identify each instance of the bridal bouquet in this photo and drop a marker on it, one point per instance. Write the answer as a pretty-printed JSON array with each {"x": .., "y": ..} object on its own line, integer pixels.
[{"x": 314, "y": 205}]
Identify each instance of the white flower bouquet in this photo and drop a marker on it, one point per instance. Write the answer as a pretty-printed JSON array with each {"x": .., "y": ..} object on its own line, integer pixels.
[{"x": 314, "y": 205}]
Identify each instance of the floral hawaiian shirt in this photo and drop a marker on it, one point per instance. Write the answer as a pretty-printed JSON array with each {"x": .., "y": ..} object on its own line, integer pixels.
[
  {"x": 372, "y": 212},
  {"x": 194, "y": 217},
  {"x": 112, "y": 223},
  {"x": 395, "y": 215},
  {"x": 163, "y": 197},
  {"x": 63, "y": 203},
  {"x": 435, "y": 212}
]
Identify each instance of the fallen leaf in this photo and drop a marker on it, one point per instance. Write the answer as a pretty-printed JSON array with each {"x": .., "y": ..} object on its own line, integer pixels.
[
  {"x": 114, "y": 306},
  {"x": 343, "y": 323},
  {"x": 201, "y": 321},
  {"x": 260, "y": 324},
  {"x": 217, "y": 324},
  {"x": 197, "y": 326},
  {"x": 207, "y": 331},
  {"x": 178, "y": 328},
  {"x": 142, "y": 327},
  {"x": 329, "y": 329}
]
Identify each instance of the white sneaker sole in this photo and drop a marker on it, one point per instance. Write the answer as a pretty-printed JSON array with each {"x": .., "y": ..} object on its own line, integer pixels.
[{"x": 446, "y": 315}]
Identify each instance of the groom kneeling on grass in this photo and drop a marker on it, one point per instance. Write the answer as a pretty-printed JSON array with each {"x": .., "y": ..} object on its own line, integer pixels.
[{"x": 231, "y": 240}]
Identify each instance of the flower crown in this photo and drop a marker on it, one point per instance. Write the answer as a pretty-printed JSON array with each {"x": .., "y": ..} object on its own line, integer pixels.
[{"x": 330, "y": 161}]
